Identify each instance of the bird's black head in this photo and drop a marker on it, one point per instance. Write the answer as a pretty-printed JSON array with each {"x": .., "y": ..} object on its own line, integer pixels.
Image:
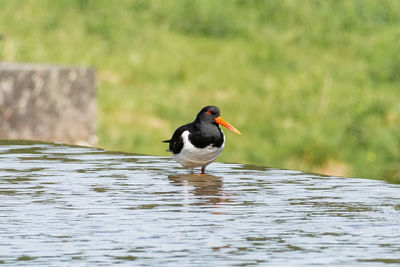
[
  {"x": 208, "y": 114},
  {"x": 212, "y": 114}
]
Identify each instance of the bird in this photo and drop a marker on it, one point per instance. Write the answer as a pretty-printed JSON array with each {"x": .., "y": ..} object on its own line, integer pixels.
[{"x": 200, "y": 143}]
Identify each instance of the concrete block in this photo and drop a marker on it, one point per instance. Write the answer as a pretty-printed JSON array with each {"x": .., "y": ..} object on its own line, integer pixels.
[{"x": 48, "y": 103}]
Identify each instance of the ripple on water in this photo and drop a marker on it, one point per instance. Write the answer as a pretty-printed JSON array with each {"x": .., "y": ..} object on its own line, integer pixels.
[{"x": 75, "y": 205}]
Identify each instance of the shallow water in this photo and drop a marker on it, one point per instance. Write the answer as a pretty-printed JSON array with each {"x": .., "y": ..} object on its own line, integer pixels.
[{"x": 64, "y": 205}]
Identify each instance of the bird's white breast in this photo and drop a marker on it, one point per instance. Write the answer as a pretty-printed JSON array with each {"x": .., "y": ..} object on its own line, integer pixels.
[{"x": 191, "y": 156}]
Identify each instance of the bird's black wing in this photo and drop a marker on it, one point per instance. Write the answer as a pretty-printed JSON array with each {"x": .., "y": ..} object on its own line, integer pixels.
[{"x": 176, "y": 142}]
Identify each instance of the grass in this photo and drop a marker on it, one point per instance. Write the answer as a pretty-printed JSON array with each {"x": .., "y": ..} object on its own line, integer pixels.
[{"x": 312, "y": 85}]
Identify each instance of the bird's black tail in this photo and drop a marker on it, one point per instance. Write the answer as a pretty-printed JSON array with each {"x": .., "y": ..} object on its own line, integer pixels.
[{"x": 167, "y": 141}]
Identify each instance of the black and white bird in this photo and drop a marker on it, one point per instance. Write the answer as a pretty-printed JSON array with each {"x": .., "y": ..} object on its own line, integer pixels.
[{"x": 199, "y": 143}]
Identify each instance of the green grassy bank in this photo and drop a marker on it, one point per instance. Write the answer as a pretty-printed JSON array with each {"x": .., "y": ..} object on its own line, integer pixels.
[{"x": 312, "y": 85}]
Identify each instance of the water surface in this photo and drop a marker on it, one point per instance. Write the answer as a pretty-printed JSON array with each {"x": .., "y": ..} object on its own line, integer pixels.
[{"x": 65, "y": 205}]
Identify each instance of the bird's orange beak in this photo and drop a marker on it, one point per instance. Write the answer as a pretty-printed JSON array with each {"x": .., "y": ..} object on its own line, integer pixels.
[{"x": 221, "y": 121}]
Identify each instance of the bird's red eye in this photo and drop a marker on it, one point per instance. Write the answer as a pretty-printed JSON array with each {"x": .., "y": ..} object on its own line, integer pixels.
[{"x": 208, "y": 112}]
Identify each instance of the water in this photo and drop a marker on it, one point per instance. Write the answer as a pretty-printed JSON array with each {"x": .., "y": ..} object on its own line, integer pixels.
[{"x": 62, "y": 205}]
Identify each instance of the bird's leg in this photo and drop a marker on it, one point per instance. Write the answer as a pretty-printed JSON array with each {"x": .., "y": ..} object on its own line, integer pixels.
[{"x": 203, "y": 170}]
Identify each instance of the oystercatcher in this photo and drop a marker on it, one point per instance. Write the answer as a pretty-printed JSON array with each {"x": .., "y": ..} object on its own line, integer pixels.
[{"x": 199, "y": 143}]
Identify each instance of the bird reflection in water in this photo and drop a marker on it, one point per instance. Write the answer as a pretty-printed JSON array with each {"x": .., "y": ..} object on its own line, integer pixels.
[{"x": 207, "y": 187}]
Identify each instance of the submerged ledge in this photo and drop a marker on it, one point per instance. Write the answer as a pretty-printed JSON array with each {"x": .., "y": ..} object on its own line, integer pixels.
[{"x": 84, "y": 205}]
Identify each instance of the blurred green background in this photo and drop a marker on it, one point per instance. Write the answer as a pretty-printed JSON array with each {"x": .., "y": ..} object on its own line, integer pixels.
[{"x": 312, "y": 85}]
